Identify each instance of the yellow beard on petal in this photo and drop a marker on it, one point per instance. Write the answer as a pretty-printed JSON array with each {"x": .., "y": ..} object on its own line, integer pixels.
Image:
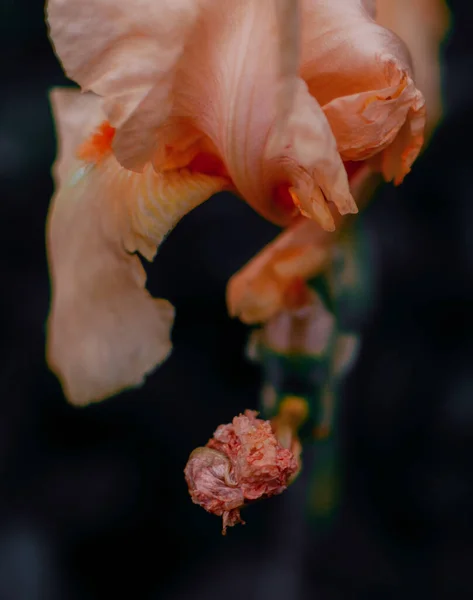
[{"x": 153, "y": 202}]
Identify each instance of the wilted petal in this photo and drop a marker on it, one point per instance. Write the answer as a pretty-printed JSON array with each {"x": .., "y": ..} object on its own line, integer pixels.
[
  {"x": 361, "y": 75},
  {"x": 212, "y": 484},
  {"x": 127, "y": 52},
  {"x": 105, "y": 331},
  {"x": 242, "y": 462}
]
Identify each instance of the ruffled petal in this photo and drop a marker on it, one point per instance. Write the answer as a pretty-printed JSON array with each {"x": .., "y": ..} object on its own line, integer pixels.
[
  {"x": 228, "y": 87},
  {"x": 229, "y": 71},
  {"x": 127, "y": 52},
  {"x": 361, "y": 75},
  {"x": 105, "y": 331},
  {"x": 387, "y": 125},
  {"x": 307, "y": 154}
]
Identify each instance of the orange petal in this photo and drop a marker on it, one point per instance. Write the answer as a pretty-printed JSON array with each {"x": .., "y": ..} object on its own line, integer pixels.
[
  {"x": 259, "y": 290},
  {"x": 127, "y": 52},
  {"x": 226, "y": 70},
  {"x": 229, "y": 88},
  {"x": 78, "y": 115},
  {"x": 99, "y": 145},
  {"x": 361, "y": 74},
  {"x": 307, "y": 154},
  {"x": 262, "y": 288},
  {"x": 391, "y": 121},
  {"x": 105, "y": 331}
]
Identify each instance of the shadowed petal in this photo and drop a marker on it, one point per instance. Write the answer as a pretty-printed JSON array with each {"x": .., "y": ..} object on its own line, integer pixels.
[
  {"x": 307, "y": 154},
  {"x": 229, "y": 87},
  {"x": 79, "y": 113}
]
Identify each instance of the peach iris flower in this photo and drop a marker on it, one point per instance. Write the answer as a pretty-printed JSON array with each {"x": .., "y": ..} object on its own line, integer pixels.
[
  {"x": 275, "y": 279},
  {"x": 267, "y": 98}
]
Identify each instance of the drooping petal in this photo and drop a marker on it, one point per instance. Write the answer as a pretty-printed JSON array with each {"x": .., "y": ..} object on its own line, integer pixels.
[
  {"x": 224, "y": 71},
  {"x": 259, "y": 290},
  {"x": 361, "y": 75},
  {"x": 275, "y": 277},
  {"x": 105, "y": 331},
  {"x": 127, "y": 52},
  {"x": 228, "y": 86},
  {"x": 307, "y": 152}
]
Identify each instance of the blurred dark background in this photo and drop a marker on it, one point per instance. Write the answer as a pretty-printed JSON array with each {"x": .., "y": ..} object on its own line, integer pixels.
[{"x": 93, "y": 502}]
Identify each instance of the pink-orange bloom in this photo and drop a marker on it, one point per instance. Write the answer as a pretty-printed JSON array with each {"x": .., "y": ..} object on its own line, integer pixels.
[
  {"x": 241, "y": 463},
  {"x": 275, "y": 279},
  {"x": 263, "y": 97},
  {"x": 262, "y": 288}
]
